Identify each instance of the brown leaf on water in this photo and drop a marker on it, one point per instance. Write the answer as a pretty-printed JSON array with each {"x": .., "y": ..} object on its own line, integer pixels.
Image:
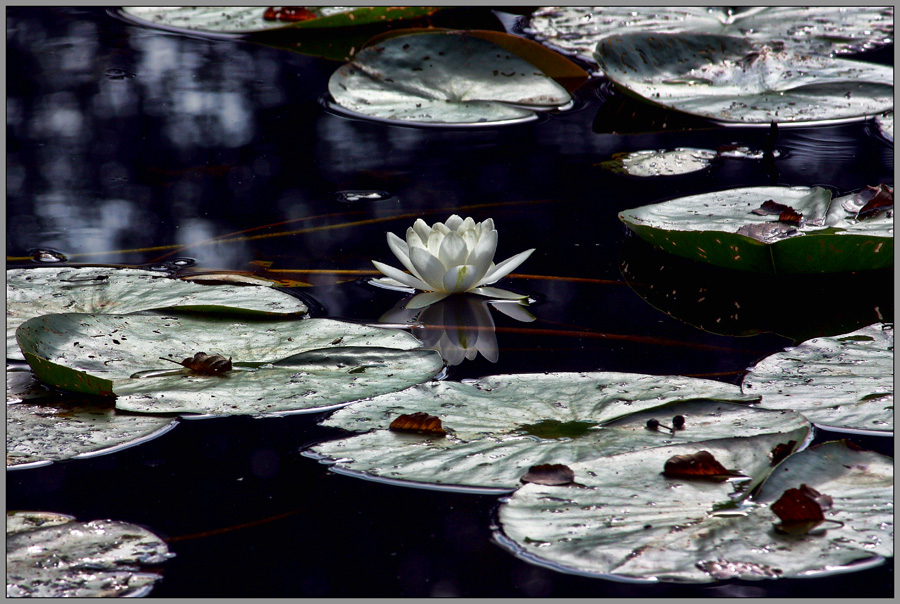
[
  {"x": 697, "y": 465},
  {"x": 418, "y": 422},
  {"x": 551, "y": 474},
  {"x": 206, "y": 364},
  {"x": 800, "y": 510}
]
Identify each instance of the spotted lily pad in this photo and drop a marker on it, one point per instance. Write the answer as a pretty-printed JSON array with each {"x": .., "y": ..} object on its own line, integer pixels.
[
  {"x": 278, "y": 366},
  {"x": 821, "y": 30},
  {"x": 723, "y": 228},
  {"x": 500, "y": 426},
  {"x": 46, "y": 432},
  {"x": 728, "y": 79},
  {"x": 52, "y": 556},
  {"x": 250, "y": 19},
  {"x": 443, "y": 78},
  {"x": 839, "y": 382},
  {"x": 41, "y": 291},
  {"x": 630, "y": 522}
]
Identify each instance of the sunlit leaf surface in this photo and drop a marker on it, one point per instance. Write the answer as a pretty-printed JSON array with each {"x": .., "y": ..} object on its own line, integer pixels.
[
  {"x": 723, "y": 228},
  {"x": 844, "y": 381},
  {"x": 885, "y": 124},
  {"x": 52, "y": 556},
  {"x": 249, "y": 19},
  {"x": 279, "y": 366},
  {"x": 41, "y": 291},
  {"x": 56, "y": 431},
  {"x": 728, "y": 79},
  {"x": 630, "y": 522},
  {"x": 443, "y": 78},
  {"x": 660, "y": 163},
  {"x": 498, "y": 427},
  {"x": 821, "y": 30}
]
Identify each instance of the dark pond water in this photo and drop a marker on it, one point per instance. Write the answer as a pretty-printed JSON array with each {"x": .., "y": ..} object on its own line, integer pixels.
[{"x": 133, "y": 146}]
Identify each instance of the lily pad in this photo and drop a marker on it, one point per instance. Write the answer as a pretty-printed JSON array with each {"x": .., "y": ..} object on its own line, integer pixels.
[
  {"x": 660, "y": 163},
  {"x": 820, "y": 30},
  {"x": 51, "y": 556},
  {"x": 249, "y": 19},
  {"x": 722, "y": 228},
  {"x": 728, "y": 79},
  {"x": 49, "y": 432},
  {"x": 41, "y": 291},
  {"x": 885, "y": 125},
  {"x": 279, "y": 366},
  {"x": 443, "y": 78},
  {"x": 498, "y": 427},
  {"x": 630, "y": 522},
  {"x": 838, "y": 382}
]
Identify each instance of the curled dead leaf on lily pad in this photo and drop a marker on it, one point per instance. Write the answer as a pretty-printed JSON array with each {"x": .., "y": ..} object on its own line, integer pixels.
[
  {"x": 498, "y": 427},
  {"x": 730, "y": 80},
  {"x": 735, "y": 229},
  {"x": 821, "y": 30},
  {"x": 40, "y": 291},
  {"x": 53, "y": 555},
  {"x": 843, "y": 382},
  {"x": 260, "y": 19},
  {"x": 445, "y": 78},
  {"x": 40, "y": 433},
  {"x": 278, "y": 366},
  {"x": 630, "y": 522}
]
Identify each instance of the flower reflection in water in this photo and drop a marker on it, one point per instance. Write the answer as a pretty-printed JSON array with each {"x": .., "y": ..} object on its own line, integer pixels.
[
  {"x": 448, "y": 258},
  {"x": 458, "y": 327}
]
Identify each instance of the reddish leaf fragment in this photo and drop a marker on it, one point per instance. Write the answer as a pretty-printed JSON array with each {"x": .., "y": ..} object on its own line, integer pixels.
[
  {"x": 418, "y": 422},
  {"x": 790, "y": 216},
  {"x": 551, "y": 474},
  {"x": 205, "y": 363},
  {"x": 800, "y": 510},
  {"x": 781, "y": 451},
  {"x": 289, "y": 13},
  {"x": 698, "y": 465},
  {"x": 882, "y": 200}
]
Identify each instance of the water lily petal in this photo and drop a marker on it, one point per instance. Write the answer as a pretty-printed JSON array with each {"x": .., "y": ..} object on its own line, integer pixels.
[
  {"x": 453, "y": 223},
  {"x": 429, "y": 267},
  {"x": 401, "y": 251},
  {"x": 424, "y": 299},
  {"x": 483, "y": 254},
  {"x": 433, "y": 245},
  {"x": 467, "y": 224},
  {"x": 391, "y": 284},
  {"x": 506, "y": 267},
  {"x": 422, "y": 229},
  {"x": 413, "y": 239},
  {"x": 398, "y": 275},
  {"x": 454, "y": 251},
  {"x": 460, "y": 278},
  {"x": 519, "y": 312},
  {"x": 497, "y": 293}
]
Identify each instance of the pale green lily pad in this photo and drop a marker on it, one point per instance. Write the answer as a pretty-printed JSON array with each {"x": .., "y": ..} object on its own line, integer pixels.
[
  {"x": 660, "y": 163},
  {"x": 630, "y": 522},
  {"x": 50, "y": 557},
  {"x": 442, "y": 79},
  {"x": 840, "y": 382},
  {"x": 500, "y": 426},
  {"x": 41, "y": 291},
  {"x": 279, "y": 366},
  {"x": 249, "y": 19},
  {"x": 820, "y": 30},
  {"x": 721, "y": 228},
  {"x": 885, "y": 125},
  {"x": 727, "y": 79},
  {"x": 49, "y": 432}
]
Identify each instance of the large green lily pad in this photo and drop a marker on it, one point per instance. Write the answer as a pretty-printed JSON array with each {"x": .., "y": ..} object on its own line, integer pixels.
[
  {"x": 721, "y": 228},
  {"x": 52, "y": 556},
  {"x": 249, "y": 19},
  {"x": 498, "y": 427},
  {"x": 46, "y": 432},
  {"x": 820, "y": 30},
  {"x": 728, "y": 79},
  {"x": 278, "y": 366},
  {"x": 41, "y": 291},
  {"x": 840, "y": 382},
  {"x": 628, "y": 521},
  {"x": 443, "y": 78}
]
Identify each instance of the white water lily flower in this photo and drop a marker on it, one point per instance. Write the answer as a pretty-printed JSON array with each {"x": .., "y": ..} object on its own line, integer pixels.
[{"x": 449, "y": 258}]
